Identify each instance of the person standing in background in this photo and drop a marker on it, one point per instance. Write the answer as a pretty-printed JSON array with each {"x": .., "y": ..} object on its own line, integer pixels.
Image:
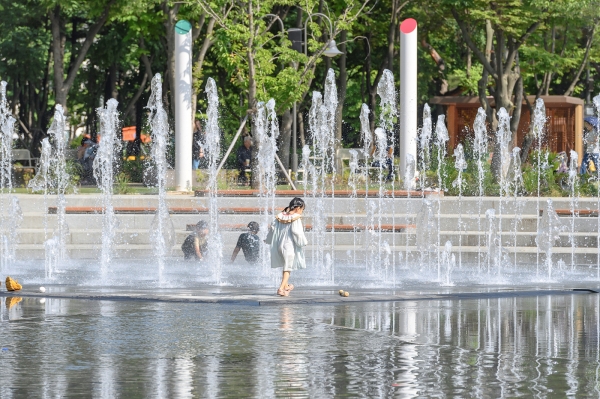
[{"x": 244, "y": 158}]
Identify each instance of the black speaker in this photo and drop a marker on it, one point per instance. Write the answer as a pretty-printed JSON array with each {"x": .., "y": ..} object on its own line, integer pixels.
[{"x": 295, "y": 36}]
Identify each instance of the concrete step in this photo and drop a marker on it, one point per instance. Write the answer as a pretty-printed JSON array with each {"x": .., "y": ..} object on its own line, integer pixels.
[
  {"x": 529, "y": 205},
  {"x": 525, "y": 255},
  {"x": 142, "y": 236},
  {"x": 33, "y": 220}
]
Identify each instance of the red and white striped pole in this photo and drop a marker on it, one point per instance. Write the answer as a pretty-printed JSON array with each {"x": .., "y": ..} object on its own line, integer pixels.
[{"x": 408, "y": 92}]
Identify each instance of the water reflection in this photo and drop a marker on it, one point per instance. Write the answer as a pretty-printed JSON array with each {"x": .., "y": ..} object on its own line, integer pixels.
[{"x": 507, "y": 347}]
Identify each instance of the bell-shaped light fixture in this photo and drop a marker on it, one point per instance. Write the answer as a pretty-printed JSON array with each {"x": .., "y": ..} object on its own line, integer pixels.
[{"x": 331, "y": 50}]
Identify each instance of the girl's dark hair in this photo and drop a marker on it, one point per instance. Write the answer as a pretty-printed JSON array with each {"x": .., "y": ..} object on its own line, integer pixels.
[
  {"x": 202, "y": 225},
  {"x": 294, "y": 204},
  {"x": 253, "y": 226}
]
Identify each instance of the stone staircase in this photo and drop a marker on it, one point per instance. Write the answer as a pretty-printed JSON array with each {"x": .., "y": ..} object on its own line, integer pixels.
[{"x": 469, "y": 236}]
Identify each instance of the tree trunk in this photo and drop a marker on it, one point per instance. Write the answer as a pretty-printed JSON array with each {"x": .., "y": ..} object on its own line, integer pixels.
[
  {"x": 301, "y": 129},
  {"x": 252, "y": 91},
  {"x": 62, "y": 85},
  {"x": 199, "y": 62},
  {"x": 342, "y": 84},
  {"x": 588, "y": 45},
  {"x": 171, "y": 13}
]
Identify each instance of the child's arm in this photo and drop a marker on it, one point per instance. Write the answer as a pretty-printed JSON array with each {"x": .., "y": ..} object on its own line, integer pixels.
[
  {"x": 298, "y": 233},
  {"x": 234, "y": 254}
]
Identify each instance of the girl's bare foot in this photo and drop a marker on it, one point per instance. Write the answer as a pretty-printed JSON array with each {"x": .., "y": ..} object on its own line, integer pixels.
[{"x": 281, "y": 292}]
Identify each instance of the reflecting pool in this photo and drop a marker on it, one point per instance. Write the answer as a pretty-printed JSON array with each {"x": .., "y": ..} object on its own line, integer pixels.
[{"x": 543, "y": 346}]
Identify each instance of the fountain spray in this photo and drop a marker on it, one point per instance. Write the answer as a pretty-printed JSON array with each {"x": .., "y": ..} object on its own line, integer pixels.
[
  {"x": 162, "y": 232},
  {"x": 318, "y": 179},
  {"x": 539, "y": 121},
  {"x": 480, "y": 149},
  {"x": 367, "y": 139},
  {"x": 548, "y": 233},
  {"x": 449, "y": 261},
  {"x": 460, "y": 164},
  {"x": 104, "y": 163},
  {"x": 266, "y": 133},
  {"x": 427, "y": 230},
  {"x": 13, "y": 217},
  {"x": 42, "y": 182},
  {"x": 387, "y": 113},
  {"x": 596, "y": 101},
  {"x": 573, "y": 200},
  {"x": 353, "y": 183},
  {"x": 517, "y": 185},
  {"x": 330, "y": 103},
  {"x": 441, "y": 137},
  {"x": 503, "y": 139},
  {"x": 213, "y": 151},
  {"x": 424, "y": 143},
  {"x": 7, "y": 129},
  {"x": 61, "y": 177},
  {"x": 494, "y": 254}
]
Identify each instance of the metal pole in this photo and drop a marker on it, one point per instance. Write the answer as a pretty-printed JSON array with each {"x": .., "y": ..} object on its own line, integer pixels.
[
  {"x": 232, "y": 143},
  {"x": 183, "y": 106},
  {"x": 408, "y": 92},
  {"x": 294, "y": 139},
  {"x": 285, "y": 173}
]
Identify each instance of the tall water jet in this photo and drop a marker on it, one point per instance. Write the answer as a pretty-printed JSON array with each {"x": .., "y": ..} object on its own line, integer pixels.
[
  {"x": 424, "y": 144},
  {"x": 213, "y": 151},
  {"x": 379, "y": 156},
  {"x": 318, "y": 180},
  {"x": 329, "y": 108},
  {"x": 516, "y": 187},
  {"x": 539, "y": 122},
  {"x": 42, "y": 182},
  {"x": 427, "y": 232},
  {"x": 503, "y": 139},
  {"x": 353, "y": 183},
  {"x": 388, "y": 112},
  {"x": 460, "y": 164},
  {"x": 10, "y": 233},
  {"x": 596, "y": 101},
  {"x": 548, "y": 234},
  {"x": 449, "y": 262},
  {"x": 42, "y": 179},
  {"x": 494, "y": 252},
  {"x": 480, "y": 149},
  {"x": 52, "y": 252},
  {"x": 307, "y": 168},
  {"x": 7, "y": 129},
  {"x": 573, "y": 201},
  {"x": 367, "y": 139},
  {"x": 61, "y": 178},
  {"x": 266, "y": 132},
  {"x": 441, "y": 137},
  {"x": 322, "y": 128},
  {"x": 104, "y": 163},
  {"x": 8, "y": 212},
  {"x": 162, "y": 231}
]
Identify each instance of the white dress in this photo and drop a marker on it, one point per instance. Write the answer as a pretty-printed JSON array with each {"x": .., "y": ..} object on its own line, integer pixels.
[{"x": 287, "y": 239}]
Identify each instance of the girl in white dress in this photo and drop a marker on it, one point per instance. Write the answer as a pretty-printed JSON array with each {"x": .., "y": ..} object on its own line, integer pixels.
[{"x": 287, "y": 239}]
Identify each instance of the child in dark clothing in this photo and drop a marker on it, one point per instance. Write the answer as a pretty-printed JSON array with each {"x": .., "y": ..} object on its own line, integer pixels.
[
  {"x": 196, "y": 244},
  {"x": 249, "y": 243}
]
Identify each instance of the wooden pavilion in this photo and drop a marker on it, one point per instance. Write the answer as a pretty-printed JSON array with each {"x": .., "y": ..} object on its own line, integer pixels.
[{"x": 564, "y": 127}]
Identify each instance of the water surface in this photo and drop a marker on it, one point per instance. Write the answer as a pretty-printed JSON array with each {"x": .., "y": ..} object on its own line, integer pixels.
[{"x": 509, "y": 347}]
